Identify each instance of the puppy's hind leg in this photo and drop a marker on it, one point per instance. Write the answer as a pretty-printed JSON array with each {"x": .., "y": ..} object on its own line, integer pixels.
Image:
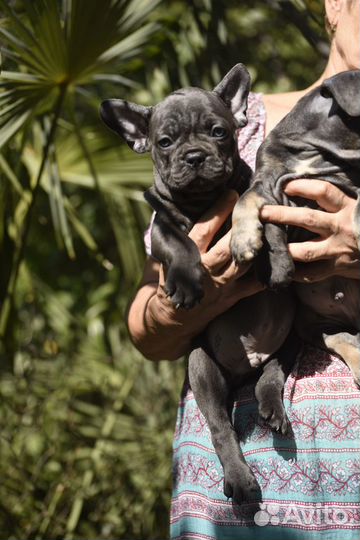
[
  {"x": 270, "y": 386},
  {"x": 212, "y": 394},
  {"x": 274, "y": 266}
]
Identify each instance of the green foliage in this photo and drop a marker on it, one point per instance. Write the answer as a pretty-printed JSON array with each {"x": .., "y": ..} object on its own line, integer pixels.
[
  {"x": 282, "y": 42},
  {"x": 55, "y": 54},
  {"x": 86, "y": 426},
  {"x": 54, "y": 47},
  {"x": 86, "y": 423},
  {"x": 89, "y": 455}
]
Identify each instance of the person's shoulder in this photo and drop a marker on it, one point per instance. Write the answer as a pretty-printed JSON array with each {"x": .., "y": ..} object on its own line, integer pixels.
[{"x": 284, "y": 100}]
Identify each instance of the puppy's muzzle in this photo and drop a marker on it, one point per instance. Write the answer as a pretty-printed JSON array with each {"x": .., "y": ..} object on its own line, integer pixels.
[{"x": 195, "y": 158}]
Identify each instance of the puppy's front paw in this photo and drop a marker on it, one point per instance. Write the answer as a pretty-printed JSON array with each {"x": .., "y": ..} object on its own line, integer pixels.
[
  {"x": 247, "y": 229},
  {"x": 246, "y": 240},
  {"x": 184, "y": 285},
  {"x": 240, "y": 484}
]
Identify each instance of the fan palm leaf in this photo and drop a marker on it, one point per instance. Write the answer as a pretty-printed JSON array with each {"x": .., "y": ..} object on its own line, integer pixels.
[
  {"x": 71, "y": 47},
  {"x": 54, "y": 49}
]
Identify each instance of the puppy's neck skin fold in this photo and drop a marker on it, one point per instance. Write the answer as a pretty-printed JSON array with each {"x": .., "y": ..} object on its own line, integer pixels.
[{"x": 186, "y": 207}]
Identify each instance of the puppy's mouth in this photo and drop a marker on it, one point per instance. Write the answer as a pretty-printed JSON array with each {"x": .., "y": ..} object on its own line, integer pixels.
[{"x": 204, "y": 177}]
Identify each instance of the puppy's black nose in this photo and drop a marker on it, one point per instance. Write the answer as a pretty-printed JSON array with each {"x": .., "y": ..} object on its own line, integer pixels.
[{"x": 195, "y": 159}]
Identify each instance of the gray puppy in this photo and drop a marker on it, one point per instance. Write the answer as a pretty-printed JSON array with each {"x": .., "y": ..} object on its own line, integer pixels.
[
  {"x": 319, "y": 138},
  {"x": 192, "y": 139}
]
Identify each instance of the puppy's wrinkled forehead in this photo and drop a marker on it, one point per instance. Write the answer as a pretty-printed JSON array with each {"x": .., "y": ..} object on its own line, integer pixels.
[{"x": 190, "y": 109}]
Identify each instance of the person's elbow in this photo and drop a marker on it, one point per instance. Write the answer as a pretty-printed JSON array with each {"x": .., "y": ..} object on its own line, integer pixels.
[
  {"x": 154, "y": 351},
  {"x": 151, "y": 345}
]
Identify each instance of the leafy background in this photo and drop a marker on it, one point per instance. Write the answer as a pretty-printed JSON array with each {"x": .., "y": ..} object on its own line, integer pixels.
[{"x": 86, "y": 422}]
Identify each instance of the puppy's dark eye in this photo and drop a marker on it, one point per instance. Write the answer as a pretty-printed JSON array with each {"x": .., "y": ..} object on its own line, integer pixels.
[
  {"x": 164, "y": 142},
  {"x": 218, "y": 132}
]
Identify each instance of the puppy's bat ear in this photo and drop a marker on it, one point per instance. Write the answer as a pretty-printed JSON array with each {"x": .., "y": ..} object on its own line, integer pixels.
[
  {"x": 234, "y": 90},
  {"x": 344, "y": 88},
  {"x": 129, "y": 120}
]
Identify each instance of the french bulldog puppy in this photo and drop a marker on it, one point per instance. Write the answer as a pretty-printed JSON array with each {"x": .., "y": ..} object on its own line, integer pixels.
[
  {"x": 319, "y": 138},
  {"x": 192, "y": 139}
]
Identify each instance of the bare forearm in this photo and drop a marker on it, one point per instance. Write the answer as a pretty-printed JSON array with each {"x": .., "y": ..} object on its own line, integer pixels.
[
  {"x": 160, "y": 332},
  {"x": 157, "y": 330},
  {"x": 152, "y": 329}
]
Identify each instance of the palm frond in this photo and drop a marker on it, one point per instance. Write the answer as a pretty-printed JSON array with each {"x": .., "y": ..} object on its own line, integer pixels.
[{"x": 56, "y": 48}]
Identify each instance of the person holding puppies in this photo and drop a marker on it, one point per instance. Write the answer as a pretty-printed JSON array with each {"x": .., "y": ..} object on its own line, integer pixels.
[{"x": 309, "y": 480}]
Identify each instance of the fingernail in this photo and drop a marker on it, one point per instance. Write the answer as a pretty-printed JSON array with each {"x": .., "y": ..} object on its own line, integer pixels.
[{"x": 289, "y": 186}]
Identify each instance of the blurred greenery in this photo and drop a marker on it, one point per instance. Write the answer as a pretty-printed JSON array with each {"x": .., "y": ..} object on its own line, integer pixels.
[{"x": 86, "y": 422}]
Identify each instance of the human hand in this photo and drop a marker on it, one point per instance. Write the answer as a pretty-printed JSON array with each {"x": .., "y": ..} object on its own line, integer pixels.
[
  {"x": 335, "y": 251},
  {"x": 223, "y": 281},
  {"x": 159, "y": 330}
]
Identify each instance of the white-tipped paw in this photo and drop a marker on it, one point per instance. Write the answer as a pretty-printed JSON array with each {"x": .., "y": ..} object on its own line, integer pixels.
[{"x": 246, "y": 241}]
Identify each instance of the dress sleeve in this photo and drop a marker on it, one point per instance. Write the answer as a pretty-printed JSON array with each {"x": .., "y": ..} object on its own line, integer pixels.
[
  {"x": 147, "y": 236},
  {"x": 252, "y": 135}
]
